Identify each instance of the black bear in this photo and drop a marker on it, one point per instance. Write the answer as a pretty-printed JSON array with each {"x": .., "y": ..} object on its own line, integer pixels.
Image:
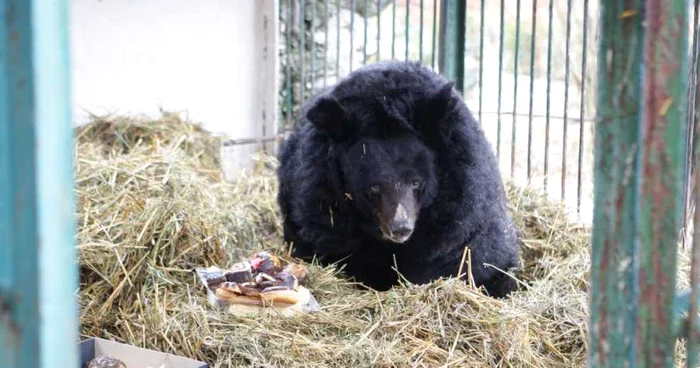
[{"x": 389, "y": 171}]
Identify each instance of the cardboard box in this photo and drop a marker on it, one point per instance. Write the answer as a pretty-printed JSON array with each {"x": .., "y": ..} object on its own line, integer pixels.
[{"x": 133, "y": 356}]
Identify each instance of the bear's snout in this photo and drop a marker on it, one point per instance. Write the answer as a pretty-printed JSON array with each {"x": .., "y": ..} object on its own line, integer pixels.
[{"x": 397, "y": 217}]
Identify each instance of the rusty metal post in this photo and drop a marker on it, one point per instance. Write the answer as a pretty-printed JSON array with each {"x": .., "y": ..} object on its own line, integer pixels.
[
  {"x": 638, "y": 183},
  {"x": 638, "y": 180},
  {"x": 663, "y": 118},
  {"x": 617, "y": 186}
]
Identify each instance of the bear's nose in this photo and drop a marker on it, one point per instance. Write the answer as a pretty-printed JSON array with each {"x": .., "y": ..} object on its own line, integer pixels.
[{"x": 401, "y": 229}]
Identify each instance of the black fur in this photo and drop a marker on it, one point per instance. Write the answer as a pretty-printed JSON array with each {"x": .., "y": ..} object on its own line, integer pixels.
[{"x": 392, "y": 121}]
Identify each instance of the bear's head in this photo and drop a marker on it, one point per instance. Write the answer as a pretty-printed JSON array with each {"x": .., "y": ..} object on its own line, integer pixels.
[{"x": 379, "y": 145}]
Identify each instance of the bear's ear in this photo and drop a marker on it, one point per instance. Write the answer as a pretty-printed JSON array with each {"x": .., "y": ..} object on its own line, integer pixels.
[
  {"x": 441, "y": 103},
  {"x": 329, "y": 116}
]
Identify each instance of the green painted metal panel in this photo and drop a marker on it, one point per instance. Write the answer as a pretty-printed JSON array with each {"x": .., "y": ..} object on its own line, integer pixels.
[{"x": 38, "y": 277}]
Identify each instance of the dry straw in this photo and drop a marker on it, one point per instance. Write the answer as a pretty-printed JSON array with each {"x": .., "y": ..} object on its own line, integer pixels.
[{"x": 152, "y": 206}]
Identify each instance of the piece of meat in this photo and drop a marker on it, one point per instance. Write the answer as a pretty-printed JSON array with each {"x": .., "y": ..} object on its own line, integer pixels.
[
  {"x": 262, "y": 277},
  {"x": 249, "y": 289},
  {"x": 287, "y": 280},
  {"x": 296, "y": 270},
  {"x": 240, "y": 272},
  {"x": 266, "y": 262},
  {"x": 215, "y": 280}
]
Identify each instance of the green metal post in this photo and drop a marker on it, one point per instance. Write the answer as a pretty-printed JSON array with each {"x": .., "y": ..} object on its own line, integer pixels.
[
  {"x": 691, "y": 188},
  {"x": 38, "y": 273},
  {"x": 663, "y": 117},
  {"x": 617, "y": 183},
  {"x": 452, "y": 41},
  {"x": 638, "y": 186}
]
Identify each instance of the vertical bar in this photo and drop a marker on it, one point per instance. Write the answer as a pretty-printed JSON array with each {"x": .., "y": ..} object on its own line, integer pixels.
[
  {"x": 312, "y": 77},
  {"x": 393, "y": 29},
  {"x": 500, "y": 80},
  {"x": 612, "y": 332},
  {"x": 352, "y": 32},
  {"x": 466, "y": 34},
  {"x": 435, "y": 12},
  {"x": 515, "y": 90},
  {"x": 420, "y": 37},
  {"x": 692, "y": 111},
  {"x": 7, "y": 189},
  {"x": 325, "y": 44},
  {"x": 664, "y": 115},
  {"x": 19, "y": 283},
  {"x": 481, "y": 63},
  {"x": 288, "y": 67},
  {"x": 379, "y": 30},
  {"x": 549, "y": 90},
  {"x": 452, "y": 41},
  {"x": 408, "y": 26},
  {"x": 634, "y": 266},
  {"x": 364, "y": 43},
  {"x": 337, "y": 41},
  {"x": 582, "y": 114},
  {"x": 38, "y": 277},
  {"x": 302, "y": 50},
  {"x": 566, "y": 101},
  {"x": 59, "y": 273},
  {"x": 532, "y": 89},
  {"x": 693, "y": 333}
]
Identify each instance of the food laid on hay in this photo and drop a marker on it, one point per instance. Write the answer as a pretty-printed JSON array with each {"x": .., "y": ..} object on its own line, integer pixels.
[
  {"x": 258, "y": 285},
  {"x": 106, "y": 362}
]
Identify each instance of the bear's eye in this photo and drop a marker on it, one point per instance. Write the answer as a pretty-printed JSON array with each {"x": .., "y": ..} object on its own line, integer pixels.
[
  {"x": 416, "y": 183},
  {"x": 374, "y": 189}
]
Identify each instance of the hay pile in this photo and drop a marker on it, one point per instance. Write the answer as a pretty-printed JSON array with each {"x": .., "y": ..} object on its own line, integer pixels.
[{"x": 152, "y": 206}]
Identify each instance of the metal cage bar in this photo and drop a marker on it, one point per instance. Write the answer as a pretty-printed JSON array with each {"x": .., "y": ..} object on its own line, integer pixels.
[
  {"x": 500, "y": 79},
  {"x": 612, "y": 338},
  {"x": 481, "y": 63},
  {"x": 549, "y": 95},
  {"x": 566, "y": 101},
  {"x": 352, "y": 31},
  {"x": 312, "y": 21},
  {"x": 582, "y": 112},
  {"x": 515, "y": 91},
  {"x": 38, "y": 275},
  {"x": 638, "y": 176},
  {"x": 532, "y": 88},
  {"x": 302, "y": 51},
  {"x": 379, "y": 29},
  {"x": 365, "y": 23},
  {"x": 420, "y": 35},
  {"x": 408, "y": 29},
  {"x": 434, "y": 45},
  {"x": 452, "y": 35}
]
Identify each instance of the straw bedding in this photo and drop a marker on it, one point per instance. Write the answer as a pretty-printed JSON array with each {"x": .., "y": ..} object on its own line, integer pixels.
[{"x": 152, "y": 206}]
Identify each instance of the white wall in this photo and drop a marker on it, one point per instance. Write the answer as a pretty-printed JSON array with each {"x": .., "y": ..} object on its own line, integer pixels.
[{"x": 201, "y": 57}]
